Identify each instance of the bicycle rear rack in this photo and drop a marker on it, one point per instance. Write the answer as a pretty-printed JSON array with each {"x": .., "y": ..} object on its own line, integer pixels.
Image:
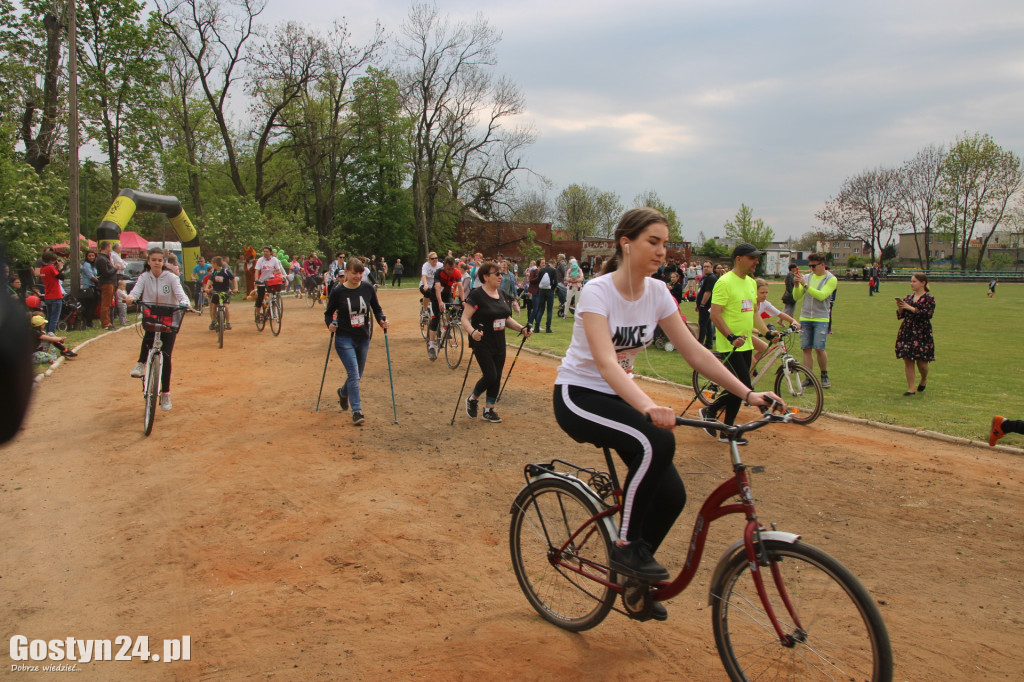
[{"x": 598, "y": 481}]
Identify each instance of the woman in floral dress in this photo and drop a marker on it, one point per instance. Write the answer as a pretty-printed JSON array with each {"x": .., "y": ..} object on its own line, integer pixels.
[{"x": 914, "y": 341}]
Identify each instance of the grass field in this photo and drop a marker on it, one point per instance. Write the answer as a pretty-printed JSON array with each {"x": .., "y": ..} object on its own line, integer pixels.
[{"x": 976, "y": 374}]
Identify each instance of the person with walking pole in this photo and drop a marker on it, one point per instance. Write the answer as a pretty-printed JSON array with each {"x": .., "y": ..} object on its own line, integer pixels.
[
  {"x": 347, "y": 317},
  {"x": 487, "y": 312},
  {"x": 391, "y": 378},
  {"x": 326, "y": 360}
]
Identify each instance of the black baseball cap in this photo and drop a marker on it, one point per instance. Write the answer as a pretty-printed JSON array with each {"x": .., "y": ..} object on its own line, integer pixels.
[{"x": 745, "y": 249}]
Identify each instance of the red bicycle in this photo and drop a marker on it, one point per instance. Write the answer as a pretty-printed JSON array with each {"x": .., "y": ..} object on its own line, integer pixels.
[{"x": 780, "y": 607}]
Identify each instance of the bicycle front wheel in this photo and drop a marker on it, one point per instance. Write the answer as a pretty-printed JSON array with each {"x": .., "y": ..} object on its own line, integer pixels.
[
  {"x": 151, "y": 389},
  {"x": 311, "y": 297},
  {"x": 542, "y": 522},
  {"x": 453, "y": 343},
  {"x": 221, "y": 321},
  {"x": 802, "y": 392},
  {"x": 261, "y": 319},
  {"x": 840, "y": 634},
  {"x": 706, "y": 390},
  {"x": 200, "y": 302},
  {"x": 276, "y": 311}
]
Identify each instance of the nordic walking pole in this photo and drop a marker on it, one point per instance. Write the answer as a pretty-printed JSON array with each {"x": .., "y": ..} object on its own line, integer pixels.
[
  {"x": 326, "y": 360},
  {"x": 525, "y": 329},
  {"x": 390, "y": 377},
  {"x": 459, "y": 401}
]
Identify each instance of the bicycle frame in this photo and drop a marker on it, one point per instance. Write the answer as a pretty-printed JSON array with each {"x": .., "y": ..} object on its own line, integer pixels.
[{"x": 717, "y": 505}]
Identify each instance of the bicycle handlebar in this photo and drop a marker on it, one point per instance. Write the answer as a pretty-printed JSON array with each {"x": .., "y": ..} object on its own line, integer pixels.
[{"x": 767, "y": 417}]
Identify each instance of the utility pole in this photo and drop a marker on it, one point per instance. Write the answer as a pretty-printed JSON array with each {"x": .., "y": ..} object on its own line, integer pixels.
[{"x": 74, "y": 244}]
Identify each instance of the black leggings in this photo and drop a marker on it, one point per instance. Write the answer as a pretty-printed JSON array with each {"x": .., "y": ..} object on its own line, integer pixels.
[
  {"x": 492, "y": 364},
  {"x": 739, "y": 364},
  {"x": 654, "y": 492},
  {"x": 167, "y": 349}
]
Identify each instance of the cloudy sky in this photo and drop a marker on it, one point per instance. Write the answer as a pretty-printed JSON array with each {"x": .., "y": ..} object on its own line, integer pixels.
[{"x": 717, "y": 103}]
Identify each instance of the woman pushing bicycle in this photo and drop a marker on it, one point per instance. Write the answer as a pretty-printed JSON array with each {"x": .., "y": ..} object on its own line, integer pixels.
[
  {"x": 158, "y": 286},
  {"x": 596, "y": 401},
  {"x": 485, "y": 314},
  {"x": 348, "y": 318}
]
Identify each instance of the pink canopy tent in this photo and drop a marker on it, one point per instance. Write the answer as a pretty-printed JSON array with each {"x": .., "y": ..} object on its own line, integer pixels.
[
  {"x": 132, "y": 244},
  {"x": 62, "y": 248}
]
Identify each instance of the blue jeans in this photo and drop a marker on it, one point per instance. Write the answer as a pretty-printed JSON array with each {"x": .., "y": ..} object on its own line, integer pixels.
[
  {"x": 813, "y": 334},
  {"x": 545, "y": 298},
  {"x": 352, "y": 352},
  {"x": 53, "y": 306}
]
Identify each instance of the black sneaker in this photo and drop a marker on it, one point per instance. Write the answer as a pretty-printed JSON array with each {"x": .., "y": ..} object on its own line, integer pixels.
[
  {"x": 825, "y": 383},
  {"x": 343, "y": 399},
  {"x": 722, "y": 438},
  {"x": 357, "y": 418},
  {"x": 658, "y": 611},
  {"x": 471, "y": 407},
  {"x": 807, "y": 383},
  {"x": 636, "y": 561},
  {"x": 708, "y": 430},
  {"x": 491, "y": 416}
]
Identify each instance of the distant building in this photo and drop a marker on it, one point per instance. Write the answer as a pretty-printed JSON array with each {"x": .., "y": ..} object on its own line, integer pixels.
[
  {"x": 838, "y": 251},
  {"x": 912, "y": 247}
]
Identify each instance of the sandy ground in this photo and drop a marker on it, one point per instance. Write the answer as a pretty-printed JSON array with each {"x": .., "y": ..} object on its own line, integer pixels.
[{"x": 289, "y": 544}]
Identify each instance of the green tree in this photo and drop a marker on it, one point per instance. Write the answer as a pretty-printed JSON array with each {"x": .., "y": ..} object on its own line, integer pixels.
[
  {"x": 376, "y": 208},
  {"x": 745, "y": 228},
  {"x": 867, "y": 207},
  {"x": 586, "y": 211},
  {"x": 979, "y": 180},
  {"x": 232, "y": 223},
  {"x": 529, "y": 249},
  {"x": 712, "y": 249},
  {"x": 32, "y": 210},
  {"x": 120, "y": 61},
  {"x": 651, "y": 198}
]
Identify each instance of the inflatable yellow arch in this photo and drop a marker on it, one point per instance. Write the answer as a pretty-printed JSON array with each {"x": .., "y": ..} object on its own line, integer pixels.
[{"x": 129, "y": 201}]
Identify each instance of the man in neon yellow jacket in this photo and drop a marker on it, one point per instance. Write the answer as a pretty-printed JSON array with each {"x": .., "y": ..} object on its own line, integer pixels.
[{"x": 816, "y": 293}]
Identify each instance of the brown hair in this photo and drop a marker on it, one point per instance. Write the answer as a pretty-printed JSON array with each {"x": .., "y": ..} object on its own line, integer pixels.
[
  {"x": 355, "y": 265},
  {"x": 631, "y": 224},
  {"x": 486, "y": 268},
  {"x": 923, "y": 279}
]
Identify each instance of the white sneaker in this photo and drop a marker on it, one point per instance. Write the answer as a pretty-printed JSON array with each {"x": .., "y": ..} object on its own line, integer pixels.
[
  {"x": 138, "y": 371},
  {"x": 165, "y": 401}
]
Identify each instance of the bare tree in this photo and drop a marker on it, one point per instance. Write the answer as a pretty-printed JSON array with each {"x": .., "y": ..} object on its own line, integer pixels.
[
  {"x": 281, "y": 69},
  {"x": 214, "y": 35},
  {"x": 867, "y": 207},
  {"x": 920, "y": 180},
  {"x": 462, "y": 155}
]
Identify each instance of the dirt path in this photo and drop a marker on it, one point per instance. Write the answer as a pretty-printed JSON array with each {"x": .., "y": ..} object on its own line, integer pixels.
[{"x": 289, "y": 544}]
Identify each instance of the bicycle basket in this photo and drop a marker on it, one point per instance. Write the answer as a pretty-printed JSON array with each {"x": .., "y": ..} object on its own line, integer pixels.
[
  {"x": 161, "y": 318},
  {"x": 274, "y": 284}
]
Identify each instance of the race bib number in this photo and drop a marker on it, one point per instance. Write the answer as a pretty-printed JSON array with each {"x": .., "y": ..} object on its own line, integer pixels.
[
  {"x": 626, "y": 359},
  {"x": 747, "y": 305},
  {"x": 218, "y": 278},
  {"x": 357, "y": 319},
  {"x": 499, "y": 325}
]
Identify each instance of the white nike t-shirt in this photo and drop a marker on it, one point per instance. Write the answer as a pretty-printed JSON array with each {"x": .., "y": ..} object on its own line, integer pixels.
[{"x": 631, "y": 324}]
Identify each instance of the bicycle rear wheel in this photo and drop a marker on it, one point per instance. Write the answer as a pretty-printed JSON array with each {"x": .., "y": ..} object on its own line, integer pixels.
[
  {"x": 706, "y": 390},
  {"x": 560, "y": 595},
  {"x": 151, "y": 389},
  {"x": 424, "y": 323},
  {"x": 221, "y": 321},
  {"x": 841, "y": 633},
  {"x": 200, "y": 302},
  {"x": 453, "y": 342},
  {"x": 311, "y": 297},
  {"x": 276, "y": 311},
  {"x": 802, "y": 392}
]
